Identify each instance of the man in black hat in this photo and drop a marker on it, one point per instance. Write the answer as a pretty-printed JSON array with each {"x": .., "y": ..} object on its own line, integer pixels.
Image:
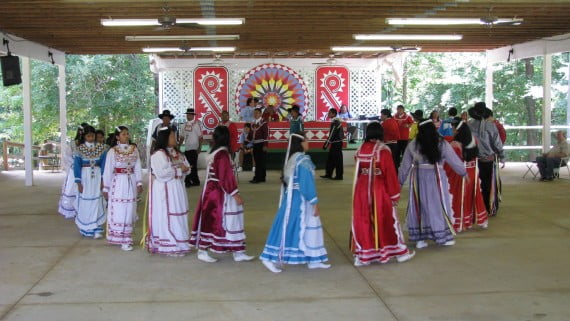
[
  {"x": 166, "y": 118},
  {"x": 490, "y": 147},
  {"x": 192, "y": 139},
  {"x": 334, "y": 141}
]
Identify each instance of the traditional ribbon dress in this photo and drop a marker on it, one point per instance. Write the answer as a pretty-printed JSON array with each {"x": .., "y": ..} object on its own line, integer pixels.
[
  {"x": 376, "y": 232},
  {"x": 89, "y": 164},
  {"x": 430, "y": 216},
  {"x": 120, "y": 180},
  {"x": 468, "y": 205},
  {"x": 69, "y": 189},
  {"x": 296, "y": 236},
  {"x": 168, "y": 215},
  {"x": 218, "y": 223}
]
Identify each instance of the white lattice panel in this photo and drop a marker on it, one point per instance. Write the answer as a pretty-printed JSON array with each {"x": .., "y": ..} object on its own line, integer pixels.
[
  {"x": 365, "y": 89},
  {"x": 177, "y": 90}
]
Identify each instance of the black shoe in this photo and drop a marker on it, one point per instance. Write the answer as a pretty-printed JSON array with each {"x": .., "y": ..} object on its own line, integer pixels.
[
  {"x": 337, "y": 178},
  {"x": 326, "y": 176},
  {"x": 195, "y": 184},
  {"x": 254, "y": 181},
  {"x": 549, "y": 179},
  {"x": 352, "y": 142}
]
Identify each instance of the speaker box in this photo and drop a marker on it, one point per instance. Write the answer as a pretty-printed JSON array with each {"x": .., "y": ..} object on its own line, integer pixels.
[{"x": 11, "y": 74}]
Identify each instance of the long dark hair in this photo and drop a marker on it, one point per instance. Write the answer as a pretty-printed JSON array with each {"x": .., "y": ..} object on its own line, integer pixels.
[
  {"x": 87, "y": 129},
  {"x": 294, "y": 147},
  {"x": 162, "y": 137},
  {"x": 79, "y": 133},
  {"x": 221, "y": 138},
  {"x": 463, "y": 135},
  {"x": 114, "y": 139},
  {"x": 374, "y": 131},
  {"x": 428, "y": 140}
]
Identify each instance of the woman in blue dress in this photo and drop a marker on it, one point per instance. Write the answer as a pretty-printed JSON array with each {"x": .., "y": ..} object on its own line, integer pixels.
[{"x": 296, "y": 236}]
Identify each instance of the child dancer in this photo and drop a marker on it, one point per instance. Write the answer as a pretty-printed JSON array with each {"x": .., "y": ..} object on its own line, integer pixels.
[
  {"x": 88, "y": 167},
  {"x": 376, "y": 234},
  {"x": 468, "y": 205},
  {"x": 296, "y": 236},
  {"x": 69, "y": 188},
  {"x": 168, "y": 216},
  {"x": 429, "y": 209},
  {"x": 122, "y": 182},
  {"x": 218, "y": 223}
]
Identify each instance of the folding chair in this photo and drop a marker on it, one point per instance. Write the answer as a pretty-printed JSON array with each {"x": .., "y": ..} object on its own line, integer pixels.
[
  {"x": 563, "y": 163},
  {"x": 531, "y": 168}
]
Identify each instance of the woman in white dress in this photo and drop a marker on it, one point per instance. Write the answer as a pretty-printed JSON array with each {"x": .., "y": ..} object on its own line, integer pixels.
[
  {"x": 168, "y": 216},
  {"x": 88, "y": 167},
  {"x": 122, "y": 181},
  {"x": 66, "y": 206}
]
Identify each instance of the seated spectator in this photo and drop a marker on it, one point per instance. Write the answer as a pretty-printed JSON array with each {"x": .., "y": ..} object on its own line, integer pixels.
[
  {"x": 246, "y": 145},
  {"x": 269, "y": 114},
  {"x": 548, "y": 161},
  {"x": 345, "y": 115}
]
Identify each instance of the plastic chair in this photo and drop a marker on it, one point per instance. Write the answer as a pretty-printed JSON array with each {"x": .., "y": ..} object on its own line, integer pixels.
[{"x": 563, "y": 163}]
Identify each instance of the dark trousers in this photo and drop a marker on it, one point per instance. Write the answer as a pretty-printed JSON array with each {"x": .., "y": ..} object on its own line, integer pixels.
[
  {"x": 546, "y": 165},
  {"x": 334, "y": 160},
  {"x": 192, "y": 157},
  {"x": 259, "y": 156},
  {"x": 395, "y": 154},
  {"x": 402, "y": 144},
  {"x": 486, "y": 176}
]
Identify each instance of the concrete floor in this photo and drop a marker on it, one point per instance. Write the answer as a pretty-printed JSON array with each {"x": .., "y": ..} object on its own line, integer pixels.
[{"x": 518, "y": 269}]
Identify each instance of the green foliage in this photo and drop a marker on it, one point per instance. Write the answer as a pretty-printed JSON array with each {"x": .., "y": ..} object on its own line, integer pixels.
[{"x": 105, "y": 91}]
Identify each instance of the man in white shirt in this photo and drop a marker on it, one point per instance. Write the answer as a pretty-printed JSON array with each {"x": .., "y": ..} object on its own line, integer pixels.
[
  {"x": 192, "y": 139},
  {"x": 548, "y": 161}
]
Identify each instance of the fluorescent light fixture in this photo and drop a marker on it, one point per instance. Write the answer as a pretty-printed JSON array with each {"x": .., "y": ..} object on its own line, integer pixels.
[
  {"x": 175, "y": 49},
  {"x": 361, "y": 48},
  {"x": 446, "y": 21},
  {"x": 183, "y": 38},
  {"x": 407, "y": 37},
  {"x": 154, "y": 22},
  {"x": 129, "y": 22},
  {"x": 155, "y": 50},
  {"x": 213, "y": 21}
]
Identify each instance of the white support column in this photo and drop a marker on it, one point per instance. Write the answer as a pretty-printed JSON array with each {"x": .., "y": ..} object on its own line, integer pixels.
[
  {"x": 489, "y": 85},
  {"x": 547, "y": 101},
  {"x": 27, "y": 97},
  {"x": 62, "y": 109}
]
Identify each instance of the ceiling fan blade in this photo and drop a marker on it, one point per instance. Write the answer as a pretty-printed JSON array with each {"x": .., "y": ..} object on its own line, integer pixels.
[{"x": 189, "y": 25}]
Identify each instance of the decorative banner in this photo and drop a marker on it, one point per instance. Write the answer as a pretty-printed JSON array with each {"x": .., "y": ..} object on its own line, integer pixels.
[
  {"x": 331, "y": 89},
  {"x": 211, "y": 95},
  {"x": 276, "y": 85}
]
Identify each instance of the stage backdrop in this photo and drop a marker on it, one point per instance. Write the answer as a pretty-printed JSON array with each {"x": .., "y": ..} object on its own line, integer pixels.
[
  {"x": 178, "y": 85},
  {"x": 210, "y": 95},
  {"x": 332, "y": 89},
  {"x": 273, "y": 84}
]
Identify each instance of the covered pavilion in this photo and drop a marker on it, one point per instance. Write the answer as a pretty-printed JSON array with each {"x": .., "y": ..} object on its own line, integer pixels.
[{"x": 515, "y": 270}]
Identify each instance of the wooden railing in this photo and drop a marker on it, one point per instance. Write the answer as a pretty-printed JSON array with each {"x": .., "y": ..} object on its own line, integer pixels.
[{"x": 13, "y": 155}]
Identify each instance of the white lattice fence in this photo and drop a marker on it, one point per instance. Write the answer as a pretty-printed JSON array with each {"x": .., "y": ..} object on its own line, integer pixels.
[{"x": 177, "y": 90}]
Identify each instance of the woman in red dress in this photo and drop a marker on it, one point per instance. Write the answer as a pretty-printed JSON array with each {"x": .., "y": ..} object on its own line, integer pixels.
[
  {"x": 219, "y": 223},
  {"x": 376, "y": 234},
  {"x": 468, "y": 205}
]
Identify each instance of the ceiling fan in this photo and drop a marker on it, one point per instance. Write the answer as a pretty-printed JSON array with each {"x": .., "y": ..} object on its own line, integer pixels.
[
  {"x": 330, "y": 61},
  {"x": 168, "y": 21},
  {"x": 491, "y": 20}
]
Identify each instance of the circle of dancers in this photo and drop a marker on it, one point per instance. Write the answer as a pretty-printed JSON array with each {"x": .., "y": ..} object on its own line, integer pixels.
[{"x": 451, "y": 166}]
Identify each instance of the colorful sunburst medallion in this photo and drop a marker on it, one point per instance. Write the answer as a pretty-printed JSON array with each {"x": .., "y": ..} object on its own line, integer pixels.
[{"x": 276, "y": 85}]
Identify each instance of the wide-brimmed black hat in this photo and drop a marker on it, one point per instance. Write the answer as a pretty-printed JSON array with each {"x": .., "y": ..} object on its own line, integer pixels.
[
  {"x": 190, "y": 111},
  {"x": 294, "y": 107},
  {"x": 166, "y": 113}
]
